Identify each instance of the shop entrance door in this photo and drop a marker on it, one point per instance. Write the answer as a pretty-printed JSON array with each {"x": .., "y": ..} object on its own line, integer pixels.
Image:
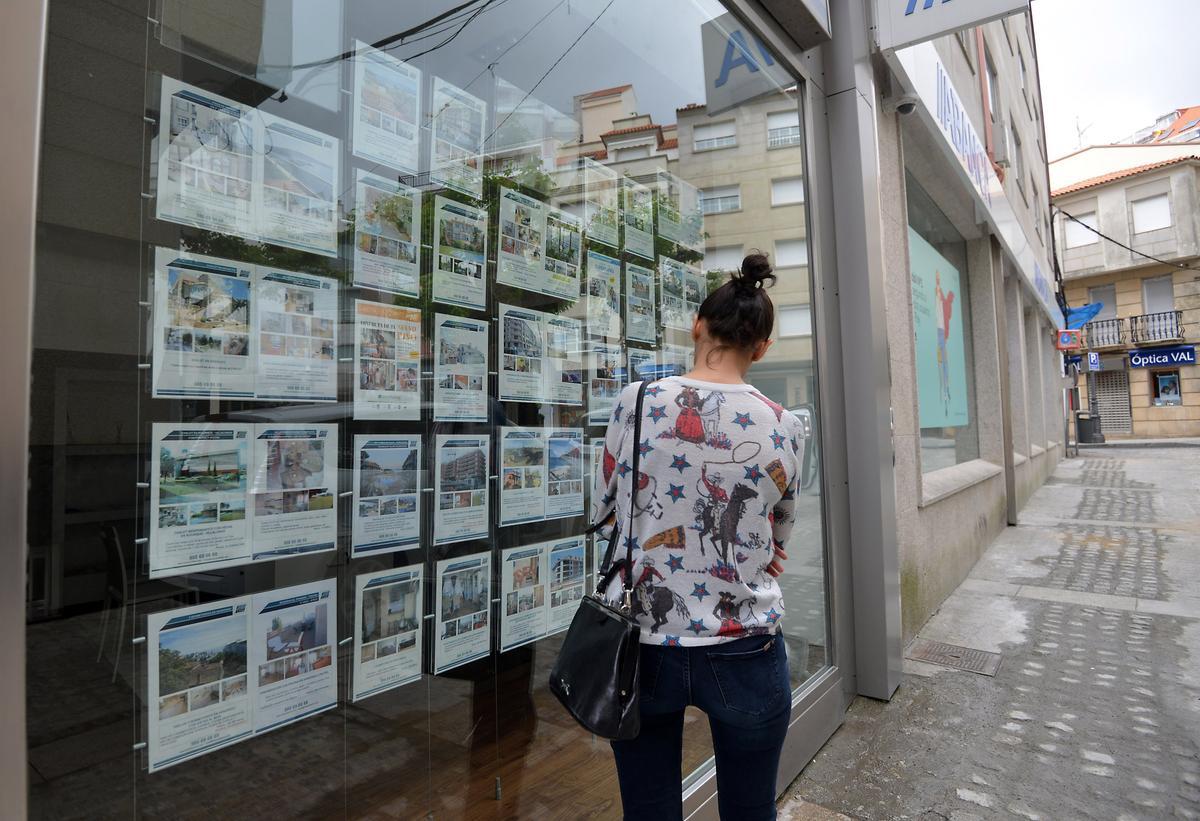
[{"x": 1112, "y": 400}]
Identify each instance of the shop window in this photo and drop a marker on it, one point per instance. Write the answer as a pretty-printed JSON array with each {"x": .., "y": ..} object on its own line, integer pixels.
[
  {"x": 1165, "y": 390},
  {"x": 795, "y": 320},
  {"x": 943, "y": 351},
  {"x": 721, "y": 199},
  {"x": 1076, "y": 233},
  {"x": 714, "y": 135},
  {"x": 787, "y": 191},
  {"x": 783, "y": 129},
  {"x": 365, "y": 313},
  {"x": 1151, "y": 214}
]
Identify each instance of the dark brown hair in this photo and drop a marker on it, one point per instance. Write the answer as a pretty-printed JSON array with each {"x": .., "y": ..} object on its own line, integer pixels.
[{"x": 739, "y": 314}]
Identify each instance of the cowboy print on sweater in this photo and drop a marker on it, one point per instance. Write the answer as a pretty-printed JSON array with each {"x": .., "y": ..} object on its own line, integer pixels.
[{"x": 717, "y": 490}]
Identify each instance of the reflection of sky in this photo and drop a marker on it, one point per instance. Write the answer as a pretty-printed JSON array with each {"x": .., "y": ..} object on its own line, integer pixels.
[{"x": 204, "y": 637}]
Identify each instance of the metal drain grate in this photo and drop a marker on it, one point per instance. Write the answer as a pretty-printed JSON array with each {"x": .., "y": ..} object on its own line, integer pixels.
[{"x": 951, "y": 655}]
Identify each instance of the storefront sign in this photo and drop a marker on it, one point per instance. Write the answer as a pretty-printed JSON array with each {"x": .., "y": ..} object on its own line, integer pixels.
[
  {"x": 737, "y": 65},
  {"x": 920, "y": 69},
  {"x": 1093, "y": 361},
  {"x": 1163, "y": 357},
  {"x": 1068, "y": 340},
  {"x": 900, "y": 23}
]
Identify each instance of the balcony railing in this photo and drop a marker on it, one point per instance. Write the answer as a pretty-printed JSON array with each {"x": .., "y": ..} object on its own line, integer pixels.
[
  {"x": 1165, "y": 326},
  {"x": 1105, "y": 333}
]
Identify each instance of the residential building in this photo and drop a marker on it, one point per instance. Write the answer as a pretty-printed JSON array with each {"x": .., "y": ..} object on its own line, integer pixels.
[{"x": 1129, "y": 241}]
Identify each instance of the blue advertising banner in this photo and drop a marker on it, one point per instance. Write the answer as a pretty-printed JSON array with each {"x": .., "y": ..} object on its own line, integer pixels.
[
  {"x": 938, "y": 326},
  {"x": 1162, "y": 357}
]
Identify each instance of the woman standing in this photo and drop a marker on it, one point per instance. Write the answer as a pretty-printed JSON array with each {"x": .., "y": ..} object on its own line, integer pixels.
[{"x": 713, "y": 512}]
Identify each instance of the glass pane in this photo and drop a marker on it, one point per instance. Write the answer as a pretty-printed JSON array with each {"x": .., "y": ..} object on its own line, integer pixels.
[{"x": 322, "y": 350}]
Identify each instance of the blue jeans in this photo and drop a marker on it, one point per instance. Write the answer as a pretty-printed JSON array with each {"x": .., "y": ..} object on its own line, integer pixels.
[{"x": 743, "y": 687}]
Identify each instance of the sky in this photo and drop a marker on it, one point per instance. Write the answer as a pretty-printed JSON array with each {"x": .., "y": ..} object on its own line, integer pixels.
[{"x": 1116, "y": 65}]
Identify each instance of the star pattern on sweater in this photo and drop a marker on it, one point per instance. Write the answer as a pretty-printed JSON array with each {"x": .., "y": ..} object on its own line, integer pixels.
[
  {"x": 645, "y": 447},
  {"x": 617, "y": 412},
  {"x": 670, "y": 641},
  {"x": 772, "y": 616},
  {"x": 700, "y": 591},
  {"x": 743, "y": 419},
  {"x": 778, "y": 439},
  {"x": 680, "y": 462},
  {"x": 674, "y": 563},
  {"x": 653, "y": 390},
  {"x": 697, "y": 626},
  {"x": 623, "y": 468},
  {"x": 657, "y": 413},
  {"x": 676, "y": 493},
  {"x": 753, "y": 474}
]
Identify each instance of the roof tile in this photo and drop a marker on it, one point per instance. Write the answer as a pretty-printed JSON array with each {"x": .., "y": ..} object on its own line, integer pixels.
[{"x": 1120, "y": 175}]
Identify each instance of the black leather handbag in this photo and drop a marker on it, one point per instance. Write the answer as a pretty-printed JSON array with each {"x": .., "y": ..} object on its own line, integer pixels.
[{"x": 596, "y": 674}]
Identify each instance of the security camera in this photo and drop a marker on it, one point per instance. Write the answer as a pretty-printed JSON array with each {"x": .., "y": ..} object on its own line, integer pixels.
[{"x": 901, "y": 103}]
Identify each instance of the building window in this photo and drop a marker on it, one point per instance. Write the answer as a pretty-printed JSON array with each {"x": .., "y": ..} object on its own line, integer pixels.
[
  {"x": 937, "y": 256},
  {"x": 787, "y": 191},
  {"x": 993, "y": 85},
  {"x": 1106, "y": 295},
  {"x": 1076, "y": 235},
  {"x": 961, "y": 35},
  {"x": 795, "y": 320},
  {"x": 1151, "y": 214},
  {"x": 1164, "y": 387},
  {"x": 1018, "y": 160},
  {"x": 783, "y": 128},
  {"x": 714, "y": 135},
  {"x": 723, "y": 258},
  {"x": 721, "y": 199},
  {"x": 791, "y": 253},
  {"x": 640, "y": 152},
  {"x": 1024, "y": 74},
  {"x": 1158, "y": 294}
]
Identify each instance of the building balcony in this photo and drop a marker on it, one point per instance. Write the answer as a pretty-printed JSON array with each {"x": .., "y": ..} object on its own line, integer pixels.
[
  {"x": 1151, "y": 329},
  {"x": 1104, "y": 333}
]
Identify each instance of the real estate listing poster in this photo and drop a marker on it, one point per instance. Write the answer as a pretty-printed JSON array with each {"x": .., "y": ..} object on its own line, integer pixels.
[
  {"x": 293, "y": 644},
  {"x": 604, "y": 295},
  {"x": 460, "y": 369},
  {"x": 460, "y": 254},
  {"x": 198, "y": 495},
  {"x": 564, "y": 247},
  {"x": 675, "y": 360},
  {"x": 564, "y": 472},
  {"x": 387, "y": 357},
  {"x": 387, "y": 493},
  {"x": 387, "y": 632},
  {"x": 198, "y": 690},
  {"x": 457, "y": 120},
  {"x": 540, "y": 357},
  {"x": 464, "y": 604},
  {"x": 294, "y": 490},
  {"x": 220, "y": 673},
  {"x": 679, "y": 216},
  {"x": 641, "y": 321},
  {"x": 297, "y": 332},
  {"x": 204, "y": 327},
  {"x": 522, "y": 475},
  {"x": 299, "y": 207},
  {"x": 461, "y": 468},
  {"x": 522, "y": 595},
  {"x": 604, "y": 380},
  {"x": 520, "y": 254},
  {"x": 639, "y": 219},
  {"x": 206, "y": 160},
  {"x": 387, "y": 107},
  {"x": 601, "y": 210},
  {"x": 642, "y": 365},
  {"x": 226, "y": 329},
  {"x": 568, "y": 567},
  {"x": 564, "y": 360},
  {"x": 683, "y": 289},
  {"x": 387, "y": 236}
]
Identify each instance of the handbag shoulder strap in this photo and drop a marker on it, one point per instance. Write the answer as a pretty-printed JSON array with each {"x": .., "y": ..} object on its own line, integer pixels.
[{"x": 636, "y": 484}]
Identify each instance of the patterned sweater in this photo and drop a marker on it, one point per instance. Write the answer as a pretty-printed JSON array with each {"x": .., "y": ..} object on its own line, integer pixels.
[{"x": 718, "y": 473}]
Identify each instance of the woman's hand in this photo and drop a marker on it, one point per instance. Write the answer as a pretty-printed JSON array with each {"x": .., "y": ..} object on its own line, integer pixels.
[{"x": 775, "y": 568}]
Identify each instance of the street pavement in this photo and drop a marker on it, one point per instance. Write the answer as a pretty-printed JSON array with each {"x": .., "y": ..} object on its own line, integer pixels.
[{"x": 1094, "y": 603}]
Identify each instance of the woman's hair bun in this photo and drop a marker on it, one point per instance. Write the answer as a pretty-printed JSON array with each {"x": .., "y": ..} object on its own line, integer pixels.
[{"x": 756, "y": 272}]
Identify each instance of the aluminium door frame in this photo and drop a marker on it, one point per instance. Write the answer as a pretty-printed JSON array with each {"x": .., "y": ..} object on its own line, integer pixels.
[{"x": 819, "y": 706}]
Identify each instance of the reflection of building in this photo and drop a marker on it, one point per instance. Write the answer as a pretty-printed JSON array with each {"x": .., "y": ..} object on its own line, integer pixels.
[{"x": 1141, "y": 196}]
